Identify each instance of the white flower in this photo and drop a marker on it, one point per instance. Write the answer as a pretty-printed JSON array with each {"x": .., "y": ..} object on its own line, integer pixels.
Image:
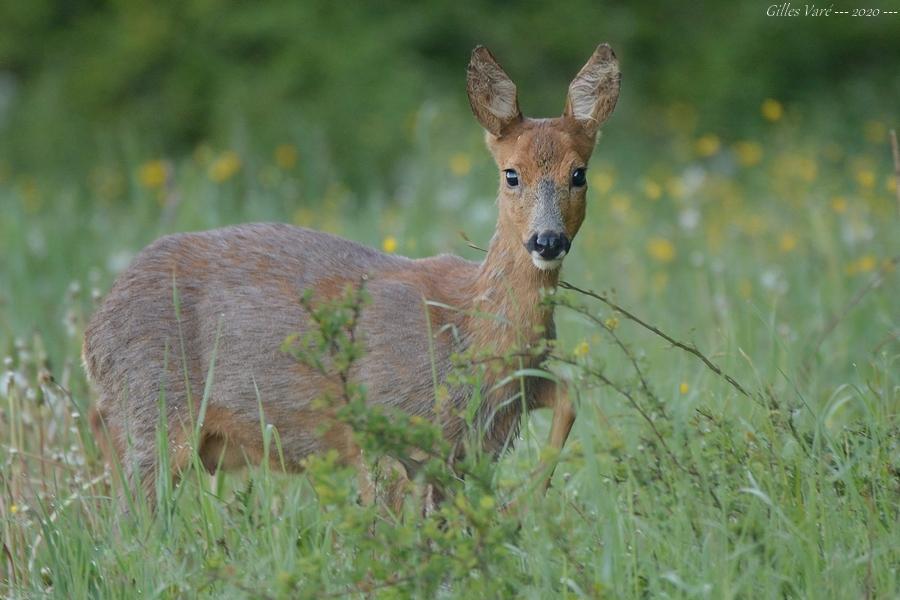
[
  {"x": 693, "y": 179},
  {"x": 119, "y": 260},
  {"x": 855, "y": 231},
  {"x": 697, "y": 259},
  {"x": 773, "y": 280},
  {"x": 689, "y": 218}
]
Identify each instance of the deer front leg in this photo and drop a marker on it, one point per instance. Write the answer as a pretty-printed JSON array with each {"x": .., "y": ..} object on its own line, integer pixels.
[
  {"x": 339, "y": 436},
  {"x": 556, "y": 396},
  {"x": 364, "y": 480}
]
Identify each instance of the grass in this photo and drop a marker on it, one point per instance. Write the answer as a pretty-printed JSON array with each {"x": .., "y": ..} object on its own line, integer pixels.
[{"x": 754, "y": 251}]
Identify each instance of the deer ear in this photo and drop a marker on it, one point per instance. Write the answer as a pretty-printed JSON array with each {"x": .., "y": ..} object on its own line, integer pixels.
[
  {"x": 594, "y": 91},
  {"x": 492, "y": 94}
]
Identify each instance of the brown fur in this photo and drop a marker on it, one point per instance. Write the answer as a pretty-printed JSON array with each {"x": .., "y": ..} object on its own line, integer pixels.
[{"x": 238, "y": 291}]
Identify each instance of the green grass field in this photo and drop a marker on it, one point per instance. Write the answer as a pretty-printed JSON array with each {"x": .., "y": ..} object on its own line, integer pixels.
[{"x": 774, "y": 256}]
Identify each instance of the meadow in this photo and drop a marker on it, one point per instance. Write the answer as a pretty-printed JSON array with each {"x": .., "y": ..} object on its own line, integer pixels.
[{"x": 769, "y": 258}]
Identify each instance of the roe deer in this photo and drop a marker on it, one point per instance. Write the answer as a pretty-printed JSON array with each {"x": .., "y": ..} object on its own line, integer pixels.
[{"x": 239, "y": 287}]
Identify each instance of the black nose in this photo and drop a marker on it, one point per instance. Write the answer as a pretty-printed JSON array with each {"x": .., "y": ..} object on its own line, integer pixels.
[{"x": 549, "y": 244}]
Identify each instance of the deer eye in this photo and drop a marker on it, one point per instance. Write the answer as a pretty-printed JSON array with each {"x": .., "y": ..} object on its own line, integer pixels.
[
  {"x": 578, "y": 177},
  {"x": 512, "y": 178}
]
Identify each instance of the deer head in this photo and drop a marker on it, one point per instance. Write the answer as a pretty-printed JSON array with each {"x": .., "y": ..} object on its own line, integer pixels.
[{"x": 542, "y": 162}]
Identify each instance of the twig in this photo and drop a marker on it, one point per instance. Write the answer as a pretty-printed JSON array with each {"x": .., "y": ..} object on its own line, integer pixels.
[
  {"x": 42, "y": 459},
  {"x": 634, "y": 404},
  {"x": 690, "y": 470},
  {"x": 836, "y": 320},
  {"x": 504, "y": 357},
  {"x": 705, "y": 414},
  {"x": 12, "y": 564},
  {"x": 890, "y": 337},
  {"x": 58, "y": 510},
  {"x": 219, "y": 574},
  {"x": 895, "y": 150},
  {"x": 625, "y": 350},
  {"x": 362, "y": 587},
  {"x": 470, "y": 243},
  {"x": 689, "y": 348}
]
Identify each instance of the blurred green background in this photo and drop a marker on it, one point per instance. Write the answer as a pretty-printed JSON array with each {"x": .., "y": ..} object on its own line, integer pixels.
[
  {"x": 121, "y": 121},
  {"x": 84, "y": 82},
  {"x": 742, "y": 198}
]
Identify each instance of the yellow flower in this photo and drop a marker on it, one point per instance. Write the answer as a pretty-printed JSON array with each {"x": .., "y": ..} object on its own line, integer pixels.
[
  {"x": 683, "y": 388},
  {"x": 153, "y": 174},
  {"x": 286, "y": 156},
  {"x": 13, "y": 509},
  {"x": 875, "y": 132},
  {"x": 839, "y": 204},
  {"x": 787, "y": 242},
  {"x": 772, "y": 110},
  {"x": 225, "y": 167},
  {"x": 867, "y": 263},
  {"x": 389, "y": 244},
  {"x": 620, "y": 204},
  {"x": 748, "y": 153},
  {"x": 582, "y": 349},
  {"x": 460, "y": 164},
  {"x": 807, "y": 169},
  {"x": 661, "y": 249},
  {"x": 754, "y": 225},
  {"x": 652, "y": 190},
  {"x": 602, "y": 181},
  {"x": 304, "y": 217},
  {"x": 675, "y": 187},
  {"x": 865, "y": 178},
  {"x": 863, "y": 264},
  {"x": 707, "y": 145},
  {"x": 611, "y": 323},
  {"x": 441, "y": 396}
]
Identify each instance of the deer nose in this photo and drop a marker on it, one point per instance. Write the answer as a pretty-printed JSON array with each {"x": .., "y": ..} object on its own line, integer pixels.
[{"x": 549, "y": 245}]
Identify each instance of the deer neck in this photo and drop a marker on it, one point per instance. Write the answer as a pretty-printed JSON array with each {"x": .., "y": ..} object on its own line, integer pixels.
[{"x": 508, "y": 287}]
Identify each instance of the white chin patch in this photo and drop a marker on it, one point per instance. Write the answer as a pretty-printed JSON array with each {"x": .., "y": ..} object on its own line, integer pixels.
[{"x": 547, "y": 265}]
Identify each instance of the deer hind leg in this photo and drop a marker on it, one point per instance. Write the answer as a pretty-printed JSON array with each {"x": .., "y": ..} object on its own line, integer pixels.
[
  {"x": 112, "y": 440},
  {"x": 387, "y": 482},
  {"x": 107, "y": 436},
  {"x": 133, "y": 456},
  {"x": 339, "y": 437},
  {"x": 394, "y": 483},
  {"x": 364, "y": 479}
]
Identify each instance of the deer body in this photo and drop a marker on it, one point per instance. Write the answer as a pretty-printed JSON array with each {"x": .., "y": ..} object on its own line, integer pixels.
[{"x": 238, "y": 291}]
